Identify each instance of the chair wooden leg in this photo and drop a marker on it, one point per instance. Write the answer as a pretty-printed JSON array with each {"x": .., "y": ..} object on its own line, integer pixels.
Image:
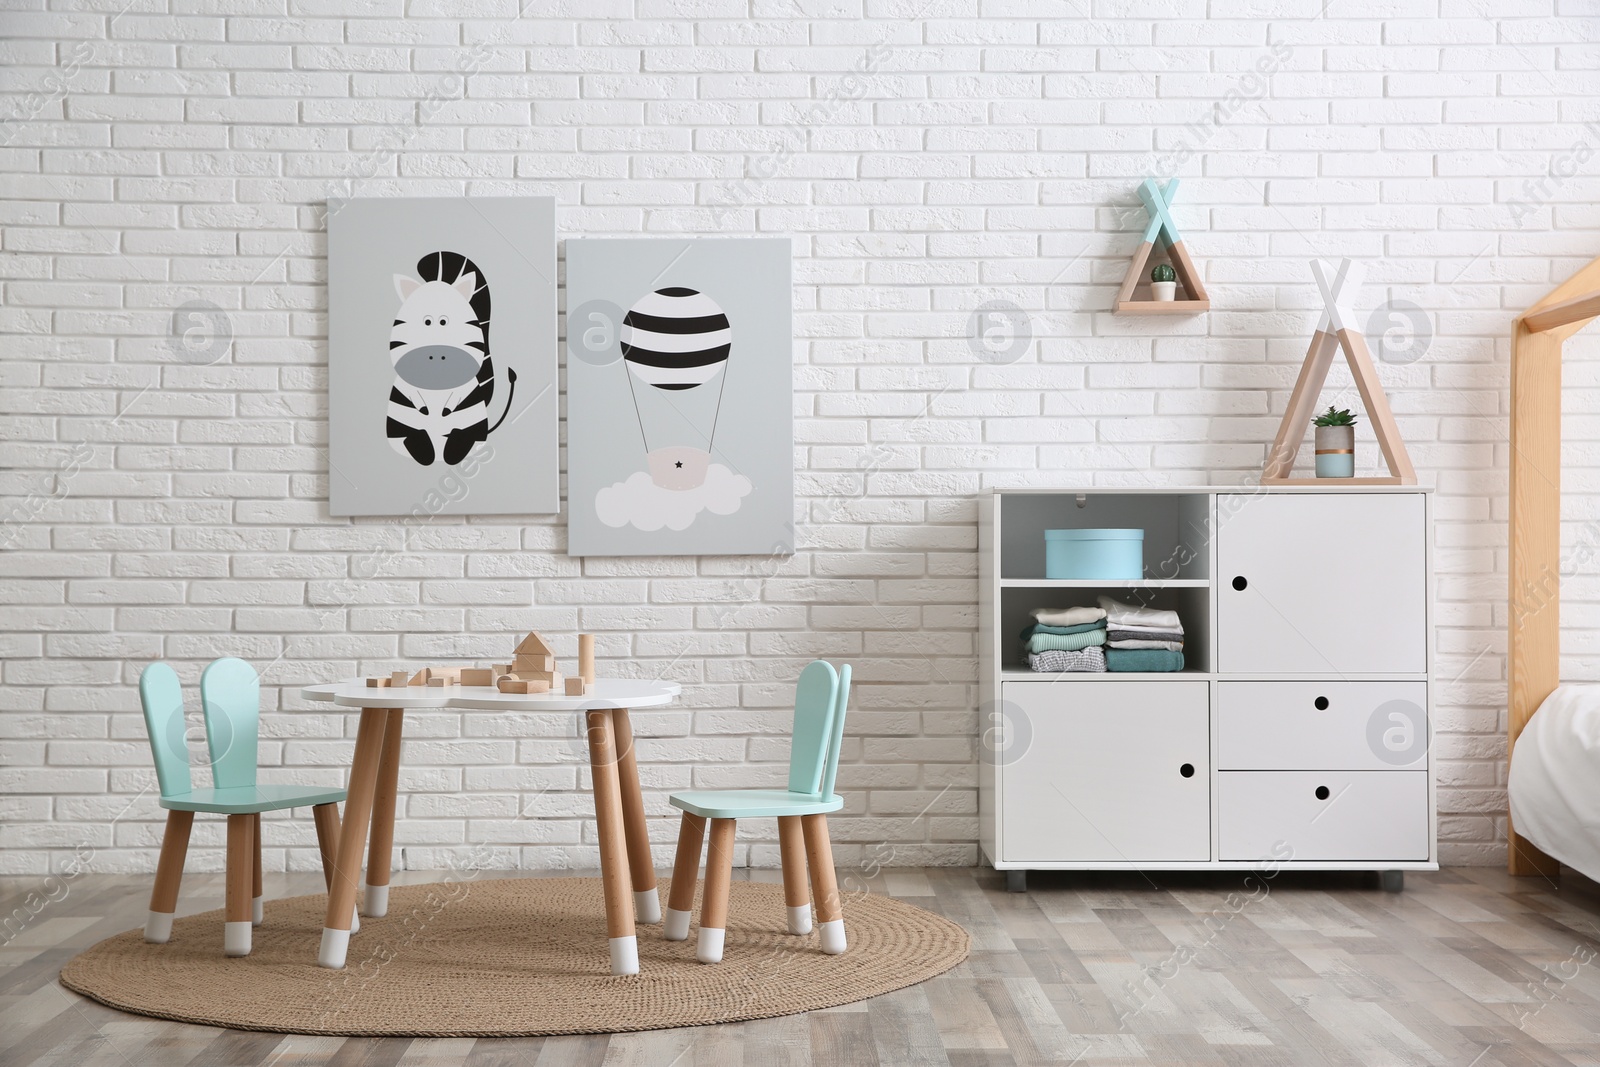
[
  {"x": 714, "y": 902},
  {"x": 646, "y": 898},
  {"x": 257, "y": 910},
  {"x": 375, "y": 897},
  {"x": 236, "y": 913},
  {"x": 169, "y": 873},
  {"x": 792, "y": 853},
  {"x": 825, "y": 884},
  {"x": 685, "y": 869}
]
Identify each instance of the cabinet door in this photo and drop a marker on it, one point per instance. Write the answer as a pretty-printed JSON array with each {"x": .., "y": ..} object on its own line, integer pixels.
[
  {"x": 1105, "y": 771},
  {"x": 1322, "y": 583}
]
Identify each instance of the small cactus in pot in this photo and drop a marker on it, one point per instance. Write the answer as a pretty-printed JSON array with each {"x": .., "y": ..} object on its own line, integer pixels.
[
  {"x": 1163, "y": 282},
  {"x": 1335, "y": 437}
]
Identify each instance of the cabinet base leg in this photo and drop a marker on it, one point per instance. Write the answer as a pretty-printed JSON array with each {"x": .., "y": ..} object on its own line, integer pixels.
[
  {"x": 1392, "y": 881},
  {"x": 1016, "y": 881}
]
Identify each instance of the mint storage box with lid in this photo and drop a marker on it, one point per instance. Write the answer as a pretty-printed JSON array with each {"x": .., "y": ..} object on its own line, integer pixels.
[{"x": 1101, "y": 555}]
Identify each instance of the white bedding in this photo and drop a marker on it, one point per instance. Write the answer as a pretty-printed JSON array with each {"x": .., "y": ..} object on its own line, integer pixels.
[{"x": 1555, "y": 778}]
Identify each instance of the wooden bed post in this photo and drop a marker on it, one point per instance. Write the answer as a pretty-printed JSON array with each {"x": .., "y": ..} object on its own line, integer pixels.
[{"x": 1534, "y": 637}]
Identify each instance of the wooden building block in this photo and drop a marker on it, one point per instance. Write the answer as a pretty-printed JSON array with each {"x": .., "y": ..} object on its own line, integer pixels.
[
  {"x": 377, "y": 683},
  {"x": 534, "y": 645},
  {"x": 420, "y": 678},
  {"x": 477, "y": 676},
  {"x": 586, "y": 657},
  {"x": 577, "y": 686},
  {"x": 508, "y": 684},
  {"x": 500, "y": 668},
  {"x": 524, "y": 663},
  {"x": 399, "y": 678}
]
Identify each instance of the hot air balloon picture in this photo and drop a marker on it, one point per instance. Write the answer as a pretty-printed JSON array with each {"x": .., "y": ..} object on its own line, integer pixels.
[{"x": 695, "y": 363}]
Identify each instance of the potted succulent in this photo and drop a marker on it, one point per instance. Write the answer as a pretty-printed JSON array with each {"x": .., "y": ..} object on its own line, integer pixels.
[
  {"x": 1164, "y": 282},
  {"x": 1336, "y": 443}
]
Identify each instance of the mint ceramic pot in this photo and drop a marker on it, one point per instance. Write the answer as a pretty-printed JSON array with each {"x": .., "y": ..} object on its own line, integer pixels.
[{"x": 1336, "y": 451}]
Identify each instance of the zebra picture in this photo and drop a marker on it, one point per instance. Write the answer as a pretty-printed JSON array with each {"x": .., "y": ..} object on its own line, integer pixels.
[{"x": 443, "y": 376}]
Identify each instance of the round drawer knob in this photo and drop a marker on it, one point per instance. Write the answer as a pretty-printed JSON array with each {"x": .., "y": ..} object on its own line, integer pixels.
[
  {"x": 1321, "y": 703},
  {"x": 1239, "y": 583},
  {"x": 1187, "y": 770},
  {"x": 1322, "y": 792}
]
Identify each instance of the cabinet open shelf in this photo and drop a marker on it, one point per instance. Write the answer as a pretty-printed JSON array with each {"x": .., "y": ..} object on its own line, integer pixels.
[
  {"x": 1090, "y": 583},
  {"x": 1014, "y": 673}
]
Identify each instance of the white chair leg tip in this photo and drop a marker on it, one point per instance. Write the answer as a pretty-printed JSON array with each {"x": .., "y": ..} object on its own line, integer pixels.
[
  {"x": 625, "y": 955},
  {"x": 709, "y": 947},
  {"x": 647, "y": 906},
  {"x": 355, "y": 920},
  {"x": 236, "y": 939},
  {"x": 833, "y": 940},
  {"x": 258, "y": 912},
  {"x": 158, "y": 927},
  {"x": 375, "y": 901},
  {"x": 675, "y": 927},
  {"x": 800, "y": 919},
  {"x": 335, "y": 947}
]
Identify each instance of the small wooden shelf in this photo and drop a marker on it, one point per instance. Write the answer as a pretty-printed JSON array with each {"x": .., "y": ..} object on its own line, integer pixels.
[
  {"x": 1161, "y": 307},
  {"x": 1090, "y": 583}
]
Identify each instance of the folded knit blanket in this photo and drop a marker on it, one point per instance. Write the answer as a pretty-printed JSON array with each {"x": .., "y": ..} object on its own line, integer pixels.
[
  {"x": 1041, "y": 628},
  {"x": 1170, "y": 646},
  {"x": 1068, "y": 616},
  {"x": 1086, "y": 660},
  {"x": 1065, "y": 642},
  {"x": 1152, "y": 632},
  {"x": 1119, "y": 614},
  {"x": 1143, "y": 659},
  {"x": 1153, "y": 638}
]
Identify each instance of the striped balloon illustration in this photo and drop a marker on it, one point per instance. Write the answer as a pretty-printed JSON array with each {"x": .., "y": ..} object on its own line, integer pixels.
[{"x": 675, "y": 338}]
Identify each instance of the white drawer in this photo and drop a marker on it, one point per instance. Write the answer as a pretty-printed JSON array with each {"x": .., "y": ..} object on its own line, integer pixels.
[
  {"x": 1306, "y": 726},
  {"x": 1323, "y": 815}
]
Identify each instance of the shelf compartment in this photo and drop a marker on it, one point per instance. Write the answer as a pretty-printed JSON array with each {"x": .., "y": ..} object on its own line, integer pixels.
[
  {"x": 1177, "y": 532},
  {"x": 1091, "y": 583},
  {"x": 1191, "y": 600}
]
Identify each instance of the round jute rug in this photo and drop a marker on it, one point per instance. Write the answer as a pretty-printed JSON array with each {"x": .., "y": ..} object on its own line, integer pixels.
[{"x": 509, "y": 957}]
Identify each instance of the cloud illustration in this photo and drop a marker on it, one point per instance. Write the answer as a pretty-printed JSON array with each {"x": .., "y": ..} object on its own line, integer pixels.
[{"x": 641, "y": 503}]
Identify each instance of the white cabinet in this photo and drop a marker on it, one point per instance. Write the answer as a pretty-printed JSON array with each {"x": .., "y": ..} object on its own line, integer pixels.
[
  {"x": 1298, "y": 729},
  {"x": 1107, "y": 771},
  {"x": 1327, "y": 583}
]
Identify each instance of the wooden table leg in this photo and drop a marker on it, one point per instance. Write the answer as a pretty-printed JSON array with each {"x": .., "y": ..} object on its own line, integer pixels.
[
  {"x": 685, "y": 870},
  {"x": 824, "y": 883},
  {"x": 236, "y": 911},
  {"x": 613, "y": 848},
  {"x": 375, "y": 899},
  {"x": 258, "y": 913},
  {"x": 792, "y": 853},
  {"x": 352, "y": 836},
  {"x": 169, "y": 873},
  {"x": 646, "y": 898}
]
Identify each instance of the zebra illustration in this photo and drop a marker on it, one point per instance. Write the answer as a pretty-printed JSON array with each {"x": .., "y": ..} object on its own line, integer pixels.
[{"x": 443, "y": 376}]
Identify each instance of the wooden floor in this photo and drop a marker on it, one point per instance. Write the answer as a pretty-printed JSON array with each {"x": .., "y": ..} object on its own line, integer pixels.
[{"x": 1466, "y": 968}]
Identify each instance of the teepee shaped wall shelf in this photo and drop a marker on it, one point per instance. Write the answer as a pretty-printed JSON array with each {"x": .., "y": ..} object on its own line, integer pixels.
[
  {"x": 1134, "y": 297},
  {"x": 1336, "y": 331}
]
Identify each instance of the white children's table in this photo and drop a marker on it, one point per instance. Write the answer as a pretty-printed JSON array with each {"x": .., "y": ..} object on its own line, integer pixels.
[{"x": 375, "y": 772}]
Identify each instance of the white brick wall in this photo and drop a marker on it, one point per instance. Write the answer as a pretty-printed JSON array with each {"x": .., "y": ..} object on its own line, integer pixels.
[{"x": 927, "y": 156}]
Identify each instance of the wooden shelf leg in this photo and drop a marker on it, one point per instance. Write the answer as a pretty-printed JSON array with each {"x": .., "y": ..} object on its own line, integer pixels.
[
  {"x": 792, "y": 850},
  {"x": 685, "y": 869},
  {"x": 169, "y": 873}
]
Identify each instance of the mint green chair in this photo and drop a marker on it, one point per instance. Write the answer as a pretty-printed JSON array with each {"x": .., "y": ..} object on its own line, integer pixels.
[
  {"x": 230, "y": 694},
  {"x": 820, "y": 699}
]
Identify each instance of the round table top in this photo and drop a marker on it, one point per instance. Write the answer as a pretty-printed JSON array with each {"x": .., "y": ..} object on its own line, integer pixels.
[{"x": 605, "y": 693}]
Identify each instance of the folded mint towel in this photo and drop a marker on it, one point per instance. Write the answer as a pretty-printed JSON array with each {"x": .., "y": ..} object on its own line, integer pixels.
[
  {"x": 1065, "y": 642},
  {"x": 1041, "y": 628},
  {"x": 1143, "y": 659}
]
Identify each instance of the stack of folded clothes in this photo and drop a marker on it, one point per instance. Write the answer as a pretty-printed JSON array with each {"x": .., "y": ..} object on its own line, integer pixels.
[
  {"x": 1065, "y": 639},
  {"x": 1141, "y": 639}
]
